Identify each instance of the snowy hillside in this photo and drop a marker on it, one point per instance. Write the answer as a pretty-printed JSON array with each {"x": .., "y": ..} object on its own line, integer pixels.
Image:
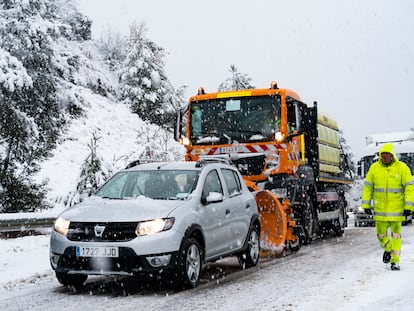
[
  {"x": 123, "y": 137},
  {"x": 72, "y": 108}
]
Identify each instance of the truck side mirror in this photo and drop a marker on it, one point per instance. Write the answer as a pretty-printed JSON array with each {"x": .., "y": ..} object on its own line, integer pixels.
[{"x": 178, "y": 125}]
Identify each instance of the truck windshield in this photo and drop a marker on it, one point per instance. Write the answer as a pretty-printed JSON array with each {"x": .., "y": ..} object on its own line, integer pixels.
[{"x": 234, "y": 120}]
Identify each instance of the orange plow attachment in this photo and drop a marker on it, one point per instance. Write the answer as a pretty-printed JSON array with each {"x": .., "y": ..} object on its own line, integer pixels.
[{"x": 277, "y": 224}]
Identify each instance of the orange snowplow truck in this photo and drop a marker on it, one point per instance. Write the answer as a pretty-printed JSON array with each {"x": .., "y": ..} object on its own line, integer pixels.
[{"x": 288, "y": 154}]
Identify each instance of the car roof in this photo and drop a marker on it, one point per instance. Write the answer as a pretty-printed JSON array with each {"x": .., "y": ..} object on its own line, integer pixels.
[
  {"x": 177, "y": 165},
  {"x": 164, "y": 166}
]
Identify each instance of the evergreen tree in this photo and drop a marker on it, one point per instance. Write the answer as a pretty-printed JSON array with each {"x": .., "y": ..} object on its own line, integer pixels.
[
  {"x": 174, "y": 100},
  {"x": 111, "y": 45},
  {"x": 18, "y": 139},
  {"x": 32, "y": 73},
  {"x": 347, "y": 164},
  {"x": 237, "y": 81},
  {"x": 93, "y": 174},
  {"x": 144, "y": 85}
]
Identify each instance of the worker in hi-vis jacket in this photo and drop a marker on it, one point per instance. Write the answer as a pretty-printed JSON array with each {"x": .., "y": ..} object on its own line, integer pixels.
[{"x": 390, "y": 188}]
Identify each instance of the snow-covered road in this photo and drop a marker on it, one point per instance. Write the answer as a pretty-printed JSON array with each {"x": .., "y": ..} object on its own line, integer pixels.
[{"x": 335, "y": 274}]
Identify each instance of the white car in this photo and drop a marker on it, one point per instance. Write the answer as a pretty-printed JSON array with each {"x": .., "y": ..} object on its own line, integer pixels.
[
  {"x": 362, "y": 219},
  {"x": 163, "y": 219}
]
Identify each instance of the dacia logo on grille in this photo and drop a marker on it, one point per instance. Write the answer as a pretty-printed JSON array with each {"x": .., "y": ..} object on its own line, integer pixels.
[{"x": 99, "y": 230}]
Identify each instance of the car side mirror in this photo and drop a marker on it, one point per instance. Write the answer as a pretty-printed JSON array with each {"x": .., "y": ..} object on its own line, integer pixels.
[{"x": 213, "y": 197}]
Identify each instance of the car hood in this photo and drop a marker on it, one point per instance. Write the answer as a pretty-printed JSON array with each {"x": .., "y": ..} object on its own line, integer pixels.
[{"x": 97, "y": 209}]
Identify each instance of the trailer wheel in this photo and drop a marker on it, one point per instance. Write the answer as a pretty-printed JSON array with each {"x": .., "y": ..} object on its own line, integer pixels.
[{"x": 341, "y": 222}]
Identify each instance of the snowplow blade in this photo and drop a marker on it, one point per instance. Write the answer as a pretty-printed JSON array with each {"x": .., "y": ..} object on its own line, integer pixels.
[{"x": 276, "y": 224}]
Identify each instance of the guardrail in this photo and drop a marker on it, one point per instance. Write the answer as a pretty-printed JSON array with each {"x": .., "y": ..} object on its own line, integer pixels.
[{"x": 25, "y": 224}]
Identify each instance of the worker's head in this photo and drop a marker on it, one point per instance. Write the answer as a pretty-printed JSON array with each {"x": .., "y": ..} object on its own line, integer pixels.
[{"x": 387, "y": 153}]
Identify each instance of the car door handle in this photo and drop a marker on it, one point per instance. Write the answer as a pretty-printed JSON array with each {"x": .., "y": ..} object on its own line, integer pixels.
[
  {"x": 247, "y": 205},
  {"x": 227, "y": 212}
]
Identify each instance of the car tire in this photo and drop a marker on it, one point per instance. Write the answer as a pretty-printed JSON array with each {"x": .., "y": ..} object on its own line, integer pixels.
[
  {"x": 250, "y": 256},
  {"x": 190, "y": 265},
  {"x": 76, "y": 280}
]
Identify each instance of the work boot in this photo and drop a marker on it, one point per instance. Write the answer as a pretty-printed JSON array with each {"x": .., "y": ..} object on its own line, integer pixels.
[
  {"x": 395, "y": 266},
  {"x": 386, "y": 257}
]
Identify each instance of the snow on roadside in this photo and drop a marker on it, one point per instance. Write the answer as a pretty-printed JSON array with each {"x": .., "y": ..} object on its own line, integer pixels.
[
  {"x": 317, "y": 279},
  {"x": 24, "y": 258}
]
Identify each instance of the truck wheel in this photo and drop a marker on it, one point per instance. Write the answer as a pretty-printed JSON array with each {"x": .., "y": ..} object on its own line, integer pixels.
[
  {"x": 294, "y": 246},
  {"x": 190, "y": 265},
  {"x": 75, "y": 280},
  {"x": 308, "y": 222},
  {"x": 250, "y": 257}
]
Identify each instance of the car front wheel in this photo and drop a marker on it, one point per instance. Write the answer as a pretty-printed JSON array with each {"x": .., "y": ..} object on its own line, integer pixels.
[
  {"x": 250, "y": 257},
  {"x": 190, "y": 265}
]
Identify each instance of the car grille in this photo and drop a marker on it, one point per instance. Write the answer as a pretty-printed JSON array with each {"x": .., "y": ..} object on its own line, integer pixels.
[{"x": 102, "y": 232}]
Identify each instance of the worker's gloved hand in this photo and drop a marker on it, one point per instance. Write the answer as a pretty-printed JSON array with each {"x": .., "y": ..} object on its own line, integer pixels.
[
  {"x": 407, "y": 212},
  {"x": 367, "y": 211}
]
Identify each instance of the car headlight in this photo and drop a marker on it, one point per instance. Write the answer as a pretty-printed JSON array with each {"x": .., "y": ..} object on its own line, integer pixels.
[
  {"x": 62, "y": 226},
  {"x": 154, "y": 226}
]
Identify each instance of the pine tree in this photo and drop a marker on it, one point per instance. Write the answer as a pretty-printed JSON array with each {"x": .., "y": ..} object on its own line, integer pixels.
[
  {"x": 144, "y": 85},
  {"x": 347, "y": 164},
  {"x": 93, "y": 173},
  {"x": 111, "y": 45},
  {"x": 173, "y": 101},
  {"x": 32, "y": 73},
  {"x": 237, "y": 81}
]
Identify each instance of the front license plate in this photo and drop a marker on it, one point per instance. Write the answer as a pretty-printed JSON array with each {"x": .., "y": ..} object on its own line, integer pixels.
[{"x": 96, "y": 251}]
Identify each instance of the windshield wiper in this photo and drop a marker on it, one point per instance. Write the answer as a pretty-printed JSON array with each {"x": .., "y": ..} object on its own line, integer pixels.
[{"x": 111, "y": 198}]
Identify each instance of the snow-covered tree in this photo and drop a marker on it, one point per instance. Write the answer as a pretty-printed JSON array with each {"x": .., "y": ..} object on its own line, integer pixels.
[
  {"x": 49, "y": 71},
  {"x": 173, "y": 101},
  {"x": 93, "y": 172},
  {"x": 237, "y": 81},
  {"x": 144, "y": 85},
  {"x": 18, "y": 137},
  {"x": 33, "y": 72},
  {"x": 347, "y": 156},
  {"x": 112, "y": 46}
]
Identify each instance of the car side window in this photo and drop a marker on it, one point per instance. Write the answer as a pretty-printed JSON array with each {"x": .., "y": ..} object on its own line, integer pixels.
[
  {"x": 212, "y": 184},
  {"x": 232, "y": 182}
]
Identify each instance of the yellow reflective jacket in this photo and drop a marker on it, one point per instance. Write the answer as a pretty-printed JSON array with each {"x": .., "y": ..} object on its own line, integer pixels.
[{"x": 390, "y": 187}]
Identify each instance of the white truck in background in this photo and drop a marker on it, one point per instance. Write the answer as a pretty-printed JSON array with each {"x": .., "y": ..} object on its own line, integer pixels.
[{"x": 403, "y": 143}]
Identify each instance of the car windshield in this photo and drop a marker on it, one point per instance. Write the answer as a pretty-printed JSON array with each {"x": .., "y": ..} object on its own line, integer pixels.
[{"x": 157, "y": 184}]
